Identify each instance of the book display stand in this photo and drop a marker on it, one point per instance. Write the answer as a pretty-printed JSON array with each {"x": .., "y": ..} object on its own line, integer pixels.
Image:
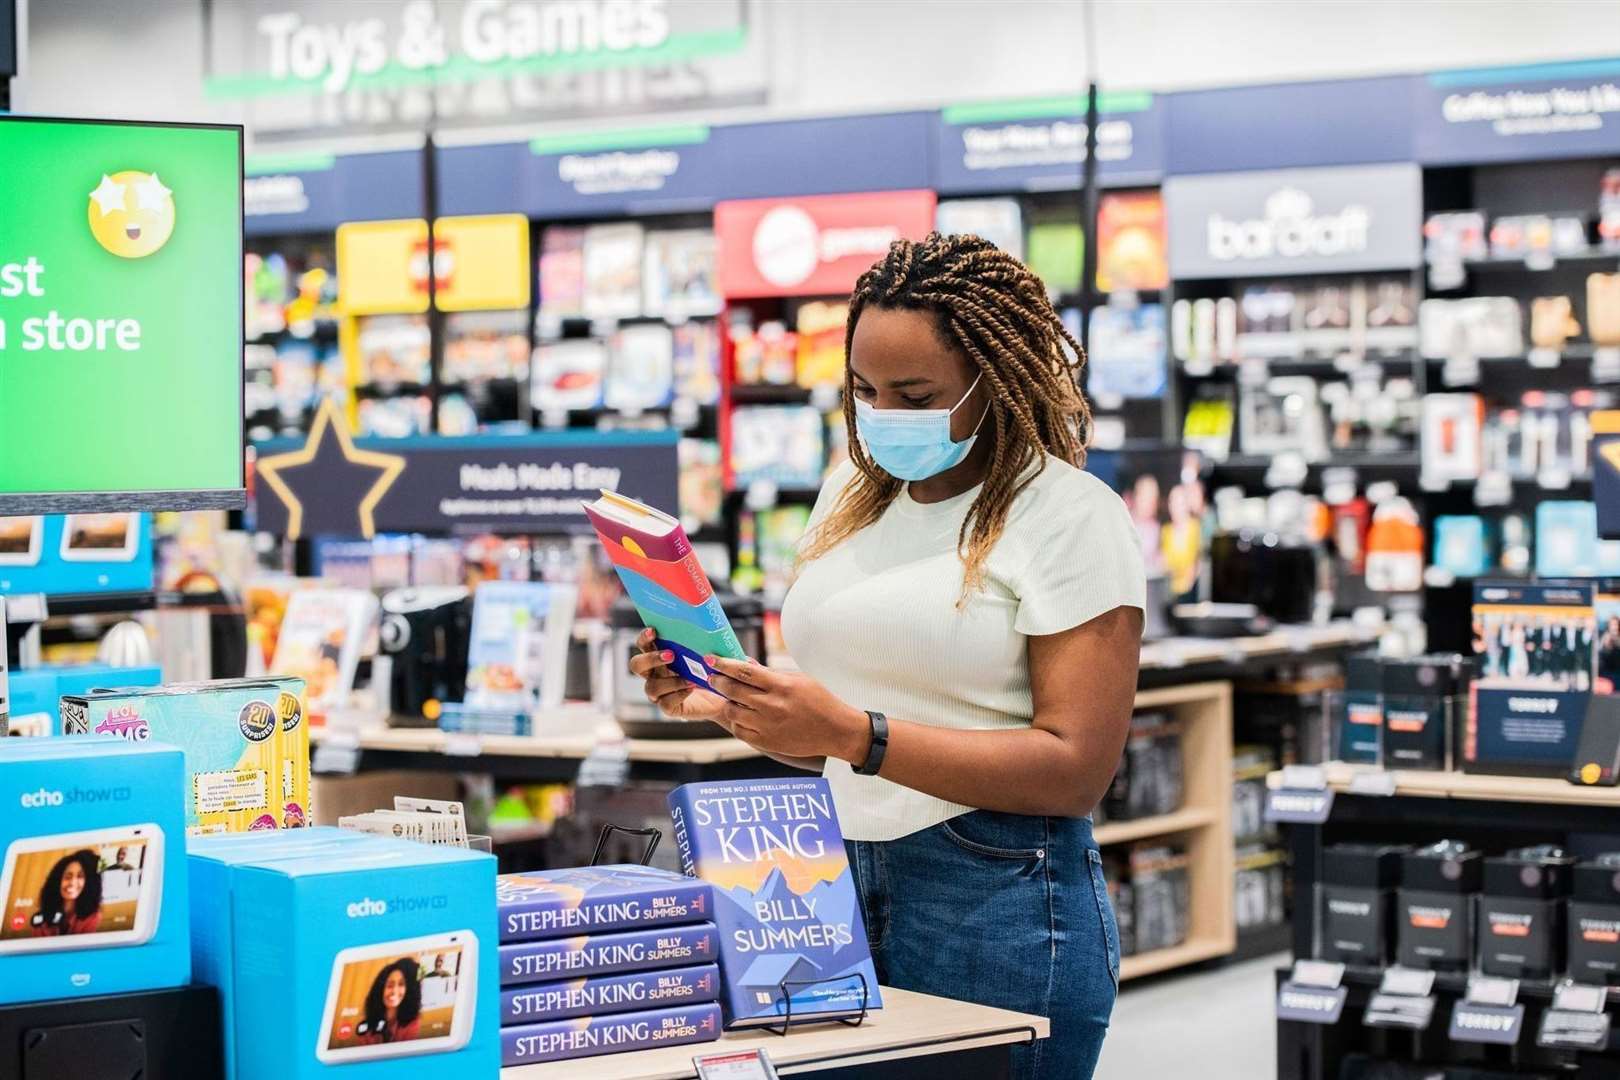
[{"x": 788, "y": 986}]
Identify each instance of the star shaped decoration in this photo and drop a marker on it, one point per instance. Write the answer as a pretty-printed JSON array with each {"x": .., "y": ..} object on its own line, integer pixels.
[
  {"x": 109, "y": 195},
  {"x": 342, "y": 485},
  {"x": 150, "y": 194}
]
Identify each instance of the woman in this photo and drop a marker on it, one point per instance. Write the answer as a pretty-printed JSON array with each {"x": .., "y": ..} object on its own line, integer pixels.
[
  {"x": 394, "y": 1005},
  {"x": 70, "y": 901},
  {"x": 967, "y": 620}
]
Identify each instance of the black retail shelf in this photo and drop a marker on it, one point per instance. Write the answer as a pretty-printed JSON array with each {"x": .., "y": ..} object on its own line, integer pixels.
[
  {"x": 770, "y": 394},
  {"x": 1402, "y": 469},
  {"x": 389, "y": 390},
  {"x": 1520, "y": 262},
  {"x": 109, "y": 603},
  {"x": 1259, "y": 941}
]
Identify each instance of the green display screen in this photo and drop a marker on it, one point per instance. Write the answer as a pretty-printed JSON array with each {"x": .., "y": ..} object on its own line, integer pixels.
[{"x": 120, "y": 315}]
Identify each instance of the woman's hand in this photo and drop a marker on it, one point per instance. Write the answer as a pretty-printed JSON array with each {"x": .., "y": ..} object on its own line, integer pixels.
[
  {"x": 674, "y": 696},
  {"x": 788, "y": 714}
]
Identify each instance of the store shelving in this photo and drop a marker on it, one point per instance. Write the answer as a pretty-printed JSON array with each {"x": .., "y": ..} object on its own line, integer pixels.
[
  {"x": 1124, "y": 832},
  {"x": 1205, "y": 822}
]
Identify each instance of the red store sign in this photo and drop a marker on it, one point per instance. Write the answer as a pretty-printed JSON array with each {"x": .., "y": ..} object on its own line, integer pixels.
[{"x": 815, "y": 245}]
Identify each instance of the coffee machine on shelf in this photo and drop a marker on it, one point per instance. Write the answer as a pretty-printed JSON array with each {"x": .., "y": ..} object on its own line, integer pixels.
[{"x": 424, "y": 635}]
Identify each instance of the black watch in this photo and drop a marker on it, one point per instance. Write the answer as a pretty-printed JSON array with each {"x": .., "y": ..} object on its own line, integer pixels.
[{"x": 880, "y": 744}]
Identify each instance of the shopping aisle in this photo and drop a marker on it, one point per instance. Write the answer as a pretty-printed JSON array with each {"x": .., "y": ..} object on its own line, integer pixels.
[{"x": 1216, "y": 1025}]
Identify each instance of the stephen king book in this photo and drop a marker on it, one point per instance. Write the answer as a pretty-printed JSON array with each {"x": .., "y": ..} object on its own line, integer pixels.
[
  {"x": 594, "y": 899},
  {"x": 784, "y": 901},
  {"x": 589, "y": 1036},
  {"x": 602, "y": 994},
  {"x": 605, "y": 954}
]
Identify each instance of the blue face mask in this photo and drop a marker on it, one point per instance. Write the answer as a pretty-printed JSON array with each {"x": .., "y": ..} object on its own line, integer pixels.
[{"x": 913, "y": 444}]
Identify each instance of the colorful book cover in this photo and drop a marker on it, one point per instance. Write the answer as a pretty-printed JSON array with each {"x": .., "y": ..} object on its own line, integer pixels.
[
  {"x": 641, "y": 368},
  {"x": 697, "y": 362},
  {"x": 594, "y": 899},
  {"x": 782, "y": 444},
  {"x": 1132, "y": 249},
  {"x": 562, "y": 271},
  {"x": 605, "y": 994},
  {"x": 590, "y": 1036},
  {"x": 655, "y": 563},
  {"x": 517, "y": 654},
  {"x": 678, "y": 274},
  {"x": 568, "y": 375},
  {"x": 613, "y": 271},
  {"x": 784, "y": 900},
  {"x": 821, "y": 326},
  {"x": 608, "y": 954},
  {"x": 1536, "y": 646},
  {"x": 320, "y": 640}
]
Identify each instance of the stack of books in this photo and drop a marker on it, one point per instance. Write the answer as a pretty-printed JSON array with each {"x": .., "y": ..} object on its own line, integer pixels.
[{"x": 599, "y": 960}]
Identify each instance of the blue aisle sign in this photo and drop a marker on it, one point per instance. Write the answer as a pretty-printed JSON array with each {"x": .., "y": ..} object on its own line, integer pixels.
[
  {"x": 1525, "y": 113},
  {"x": 334, "y": 485},
  {"x": 1290, "y": 125},
  {"x": 313, "y": 193},
  {"x": 1040, "y": 145},
  {"x": 685, "y": 168}
]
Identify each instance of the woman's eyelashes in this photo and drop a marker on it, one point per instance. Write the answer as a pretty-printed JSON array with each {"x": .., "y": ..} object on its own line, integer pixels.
[{"x": 907, "y": 401}]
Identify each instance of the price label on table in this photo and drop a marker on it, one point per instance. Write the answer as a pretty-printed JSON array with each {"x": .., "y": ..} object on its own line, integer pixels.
[
  {"x": 1496, "y": 1024},
  {"x": 1606, "y": 364},
  {"x": 735, "y": 1065},
  {"x": 1405, "y": 999},
  {"x": 462, "y": 744},
  {"x": 335, "y": 760},
  {"x": 1543, "y": 358},
  {"x": 1298, "y": 806},
  {"x": 1310, "y": 1004},
  {"x": 1577, "y": 1019},
  {"x": 1376, "y": 782}
]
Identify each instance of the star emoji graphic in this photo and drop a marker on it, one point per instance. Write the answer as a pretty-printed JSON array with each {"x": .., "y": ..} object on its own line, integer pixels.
[
  {"x": 328, "y": 486},
  {"x": 109, "y": 195},
  {"x": 150, "y": 194}
]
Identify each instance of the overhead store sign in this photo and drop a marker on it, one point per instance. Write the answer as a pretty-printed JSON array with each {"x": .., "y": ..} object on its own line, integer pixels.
[
  {"x": 302, "y": 193},
  {"x": 1524, "y": 113},
  {"x": 332, "y": 485},
  {"x": 1291, "y": 125},
  {"x": 1040, "y": 144},
  {"x": 812, "y": 246},
  {"x": 307, "y": 67},
  {"x": 672, "y": 169},
  {"x": 1295, "y": 221}
]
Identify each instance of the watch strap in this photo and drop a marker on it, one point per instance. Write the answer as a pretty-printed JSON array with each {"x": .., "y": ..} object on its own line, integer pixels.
[{"x": 880, "y": 744}]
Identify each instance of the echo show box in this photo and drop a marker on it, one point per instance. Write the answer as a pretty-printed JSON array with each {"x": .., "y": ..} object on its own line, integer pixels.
[
  {"x": 349, "y": 957},
  {"x": 92, "y": 868}
]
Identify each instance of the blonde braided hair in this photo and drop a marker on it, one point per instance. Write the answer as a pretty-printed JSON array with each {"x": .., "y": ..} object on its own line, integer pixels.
[{"x": 996, "y": 311}]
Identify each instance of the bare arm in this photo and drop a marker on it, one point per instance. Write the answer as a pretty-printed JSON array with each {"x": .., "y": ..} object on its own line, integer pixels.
[{"x": 1084, "y": 684}]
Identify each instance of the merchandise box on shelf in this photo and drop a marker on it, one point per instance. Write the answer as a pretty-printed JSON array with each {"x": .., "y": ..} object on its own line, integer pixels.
[
  {"x": 36, "y": 692},
  {"x": 72, "y": 554},
  {"x": 93, "y": 878},
  {"x": 359, "y": 952},
  {"x": 246, "y": 743}
]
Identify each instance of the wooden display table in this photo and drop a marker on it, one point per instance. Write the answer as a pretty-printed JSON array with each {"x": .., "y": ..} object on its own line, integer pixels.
[
  {"x": 563, "y": 739},
  {"x": 951, "y": 1039}
]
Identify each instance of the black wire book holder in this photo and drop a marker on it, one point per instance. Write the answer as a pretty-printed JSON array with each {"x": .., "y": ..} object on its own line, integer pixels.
[
  {"x": 853, "y": 1018},
  {"x": 653, "y": 836}
]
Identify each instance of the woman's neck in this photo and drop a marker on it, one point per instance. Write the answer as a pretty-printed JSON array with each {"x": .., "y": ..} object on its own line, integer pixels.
[{"x": 964, "y": 476}]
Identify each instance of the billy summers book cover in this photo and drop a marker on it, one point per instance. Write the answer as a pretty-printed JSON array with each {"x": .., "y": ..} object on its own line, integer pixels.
[{"x": 784, "y": 900}]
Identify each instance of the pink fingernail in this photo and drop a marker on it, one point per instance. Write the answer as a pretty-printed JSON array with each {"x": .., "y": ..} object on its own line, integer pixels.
[{"x": 667, "y": 655}]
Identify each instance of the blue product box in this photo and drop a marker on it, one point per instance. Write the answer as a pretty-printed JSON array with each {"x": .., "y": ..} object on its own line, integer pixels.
[
  {"x": 596, "y": 899},
  {"x": 589, "y": 1036},
  {"x": 608, "y": 954},
  {"x": 36, "y": 691},
  {"x": 72, "y": 554},
  {"x": 373, "y": 958},
  {"x": 210, "y": 862},
  {"x": 92, "y": 868},
  {"x": 604, "y": 994}
]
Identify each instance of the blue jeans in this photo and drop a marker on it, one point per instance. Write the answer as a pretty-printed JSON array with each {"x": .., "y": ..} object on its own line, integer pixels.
[{"x": 1002, "y": 910}]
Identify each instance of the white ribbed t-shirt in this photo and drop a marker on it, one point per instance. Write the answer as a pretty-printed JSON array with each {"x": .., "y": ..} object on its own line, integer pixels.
[{"x": 875, "y": 619}]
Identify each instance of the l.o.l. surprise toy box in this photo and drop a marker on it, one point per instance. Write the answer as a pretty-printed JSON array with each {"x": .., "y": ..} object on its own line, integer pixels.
[
  {"x": 594, "y": 899},
  {"x": 246, "y": 743},
  {"x": 92, "y": 869}
]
